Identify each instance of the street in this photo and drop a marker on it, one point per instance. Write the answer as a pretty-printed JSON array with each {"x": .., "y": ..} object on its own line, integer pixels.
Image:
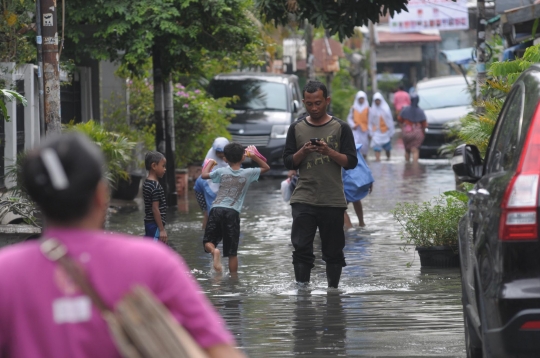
[{"x": 382, "y": 308}]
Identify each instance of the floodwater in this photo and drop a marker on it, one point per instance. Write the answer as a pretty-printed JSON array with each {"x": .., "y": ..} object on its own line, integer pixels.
[{"x": 382, "y": 308}]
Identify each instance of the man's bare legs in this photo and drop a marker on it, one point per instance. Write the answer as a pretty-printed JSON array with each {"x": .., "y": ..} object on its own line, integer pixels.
[
  {"x": 216, "y": 255},
  {"x": 233, "y": 264},
  {"x": 359, "y": 213},
  {"x": 347, "y": 221}
]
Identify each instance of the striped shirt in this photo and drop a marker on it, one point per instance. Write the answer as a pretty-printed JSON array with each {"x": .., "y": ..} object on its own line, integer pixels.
[{"x": 153, "y": 191}]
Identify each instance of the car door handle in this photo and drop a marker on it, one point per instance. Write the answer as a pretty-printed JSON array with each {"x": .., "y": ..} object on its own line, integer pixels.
[{"x": 483, "y": 192}]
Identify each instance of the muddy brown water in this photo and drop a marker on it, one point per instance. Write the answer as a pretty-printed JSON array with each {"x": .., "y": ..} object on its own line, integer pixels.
[{"x": 382, "y": 308}]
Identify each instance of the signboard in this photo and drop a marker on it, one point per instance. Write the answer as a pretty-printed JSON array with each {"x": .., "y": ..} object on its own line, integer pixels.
[{"x": 443, "y": 15}]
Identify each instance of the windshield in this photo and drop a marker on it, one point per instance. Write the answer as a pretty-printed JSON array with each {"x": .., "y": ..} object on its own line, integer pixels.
[
  {"x": 444, "y": 97},
  {"x": 253, "y": 94}
]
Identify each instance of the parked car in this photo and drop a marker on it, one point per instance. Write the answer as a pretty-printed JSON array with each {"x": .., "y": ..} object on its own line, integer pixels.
[
  {"x": 499, "y": 242},
  {"x": 267, "y": 105},
  {"x": 444, "y": 100}
]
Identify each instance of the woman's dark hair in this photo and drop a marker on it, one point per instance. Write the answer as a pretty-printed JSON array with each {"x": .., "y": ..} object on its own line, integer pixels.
[
  {"x": 151, "y": 158},
  {"x": 314, "y": 86},
  {"x": 62, "y": 174},
  {"x": 234, "y": 152}
]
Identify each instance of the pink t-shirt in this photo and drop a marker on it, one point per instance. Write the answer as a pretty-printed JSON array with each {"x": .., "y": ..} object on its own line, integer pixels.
[
  {"x": 401, "y": 99},
  {"x": 43, "y": 314}
]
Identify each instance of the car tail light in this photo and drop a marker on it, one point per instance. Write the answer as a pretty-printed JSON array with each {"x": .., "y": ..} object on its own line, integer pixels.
[
  {"x": 531, "y": 325},
  {"x": 520, "y": 202}
]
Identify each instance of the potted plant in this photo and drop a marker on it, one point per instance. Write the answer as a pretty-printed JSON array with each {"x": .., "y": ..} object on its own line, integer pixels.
[{"x": 432, "y": 227}]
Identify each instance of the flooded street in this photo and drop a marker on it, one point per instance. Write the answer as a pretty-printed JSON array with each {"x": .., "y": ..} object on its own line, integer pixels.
[{"x": 382, "y": 308}]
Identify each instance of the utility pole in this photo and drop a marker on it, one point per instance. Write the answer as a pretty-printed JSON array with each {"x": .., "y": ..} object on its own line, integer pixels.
[
  {"x": 480, "y": 51},
  {"x": 172, "y": 195},
  {"x": 39, "y": 43},
  {"x": 51, "y": 69},
  {"x": 373, "y": 57}
]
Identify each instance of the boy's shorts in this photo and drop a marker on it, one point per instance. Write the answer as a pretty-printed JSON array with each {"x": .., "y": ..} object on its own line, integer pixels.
[
  {"x": 151, "y": 230},
  {"x": 387, "y": 147},
  {"x": 223, "y": 224}
]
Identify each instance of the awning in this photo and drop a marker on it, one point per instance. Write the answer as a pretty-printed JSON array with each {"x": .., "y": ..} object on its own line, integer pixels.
[{"x": 462, "y": 56}]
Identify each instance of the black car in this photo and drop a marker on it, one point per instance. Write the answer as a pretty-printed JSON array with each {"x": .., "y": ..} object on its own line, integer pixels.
[
  {"x": 267, "y": 104},
  {"x": 498, "y": 237}
]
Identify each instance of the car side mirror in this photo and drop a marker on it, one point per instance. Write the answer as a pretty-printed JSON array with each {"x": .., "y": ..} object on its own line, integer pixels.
[
  {"x": 467, "y": 163},
  {"x": 296, "y": 106}
]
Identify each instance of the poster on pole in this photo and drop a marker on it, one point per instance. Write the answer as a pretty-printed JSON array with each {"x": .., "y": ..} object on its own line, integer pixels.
[{"x": 443, "y": 15}]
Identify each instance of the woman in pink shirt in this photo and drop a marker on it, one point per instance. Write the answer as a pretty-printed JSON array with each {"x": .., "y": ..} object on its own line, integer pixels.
[
  {"x": 401, "y": 99},
  {"x": 42, "y": 312}
]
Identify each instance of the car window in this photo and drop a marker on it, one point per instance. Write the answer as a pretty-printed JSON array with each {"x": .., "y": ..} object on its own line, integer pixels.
[
  {"x": 532, "y": 89},
  {"x": 504, "y": 151},
  {"x": 252, "y": 94},
  {"x": 444, "y": 97}
]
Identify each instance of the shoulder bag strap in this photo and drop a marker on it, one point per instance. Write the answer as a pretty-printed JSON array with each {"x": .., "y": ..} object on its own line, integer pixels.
[{"x": 55, "y": 251}]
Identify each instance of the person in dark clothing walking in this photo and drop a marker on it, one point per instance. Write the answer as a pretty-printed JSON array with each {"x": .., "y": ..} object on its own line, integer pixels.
[{"x": 319, "y": 145}]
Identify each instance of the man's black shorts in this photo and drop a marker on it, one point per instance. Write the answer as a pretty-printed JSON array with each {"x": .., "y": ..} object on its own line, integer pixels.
[{"x": 223, "y": 224}]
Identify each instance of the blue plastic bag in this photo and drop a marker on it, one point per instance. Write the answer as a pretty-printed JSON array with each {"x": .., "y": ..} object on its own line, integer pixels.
[{"x": 357, "y": 181}]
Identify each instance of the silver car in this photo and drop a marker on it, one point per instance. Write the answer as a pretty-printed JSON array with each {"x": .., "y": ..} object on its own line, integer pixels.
[{"x": 444, "y": 100}]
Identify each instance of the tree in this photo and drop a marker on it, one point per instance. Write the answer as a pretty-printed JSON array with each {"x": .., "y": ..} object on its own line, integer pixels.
[
  {"x": 338, "y": 17},
  {"x": 179, "y": 35}
]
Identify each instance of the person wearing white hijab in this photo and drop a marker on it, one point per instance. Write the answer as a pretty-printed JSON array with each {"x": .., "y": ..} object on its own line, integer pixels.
[
  {"x": 358, "y": 120},
  {"x": 206, "y": 190},
  {"x": 381, "y": 126}
]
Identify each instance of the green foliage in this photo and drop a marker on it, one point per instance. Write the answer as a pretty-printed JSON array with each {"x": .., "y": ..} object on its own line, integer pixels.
[
  {"x": 8, "y": 96},
  {"x": 476, "y": 127},
  {"x": 343, "y": 94},
  {"x": 187, "y": 33},
  {"x": 21, "y": 207},
  {"x": 433, "y": 222},
  {"x": 338, "y": 17},
  {"x": 17, "y": 37},
  {"x": 198, "y": 120},
  {"x": 115, "y": 120},
  {"x": 117, "y": 149}
]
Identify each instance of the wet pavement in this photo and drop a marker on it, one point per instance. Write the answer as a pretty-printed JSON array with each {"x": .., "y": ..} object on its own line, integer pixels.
[{"x": 382, "y": 308}]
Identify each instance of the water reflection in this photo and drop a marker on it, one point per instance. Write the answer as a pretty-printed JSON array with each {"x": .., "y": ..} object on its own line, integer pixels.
[{"x": 381, "y": 309}]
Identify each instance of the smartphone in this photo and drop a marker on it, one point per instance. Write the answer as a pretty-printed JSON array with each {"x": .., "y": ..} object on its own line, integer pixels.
[{"x": 315, "y": 141}]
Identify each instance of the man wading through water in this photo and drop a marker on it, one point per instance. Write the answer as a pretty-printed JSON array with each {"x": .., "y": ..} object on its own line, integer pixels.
[{"x": 319, "y": 145}]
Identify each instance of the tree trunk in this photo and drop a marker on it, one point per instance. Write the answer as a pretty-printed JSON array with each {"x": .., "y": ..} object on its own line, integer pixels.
[
  {"x": 159, "y": 109},
  {"x": 164, "y": 117}
]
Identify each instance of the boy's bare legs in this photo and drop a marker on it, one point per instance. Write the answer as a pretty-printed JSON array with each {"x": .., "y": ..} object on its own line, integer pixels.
[
  {"x": 347, "y": 221},
  {"x": 216, "y": 255},
  {"x": 387, "y": 154},
  {"x": 377, "y": 156},
  {"x": 233, "y": 264},
  {"x": 205, "y": 220},
  {"x": 359, "y": 212}
]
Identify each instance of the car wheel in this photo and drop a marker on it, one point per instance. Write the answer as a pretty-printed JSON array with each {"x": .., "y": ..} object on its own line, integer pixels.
[{"x": 472, "y": 340}]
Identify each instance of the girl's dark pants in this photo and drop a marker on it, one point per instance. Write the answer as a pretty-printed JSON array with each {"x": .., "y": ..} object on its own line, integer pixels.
[{"x": 306, "y": 220}]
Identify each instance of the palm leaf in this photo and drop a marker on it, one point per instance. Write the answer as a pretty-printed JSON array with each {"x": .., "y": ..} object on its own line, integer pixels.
[{"x": 9, "y": 96}]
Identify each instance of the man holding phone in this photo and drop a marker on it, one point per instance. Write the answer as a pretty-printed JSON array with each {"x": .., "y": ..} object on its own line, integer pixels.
[{"x": 318, "y": 145}]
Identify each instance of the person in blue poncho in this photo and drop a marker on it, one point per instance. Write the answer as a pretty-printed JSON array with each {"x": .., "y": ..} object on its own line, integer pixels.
[
  {"x": 206, "y": 190},
  {"x": 357, "y": 184}
]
